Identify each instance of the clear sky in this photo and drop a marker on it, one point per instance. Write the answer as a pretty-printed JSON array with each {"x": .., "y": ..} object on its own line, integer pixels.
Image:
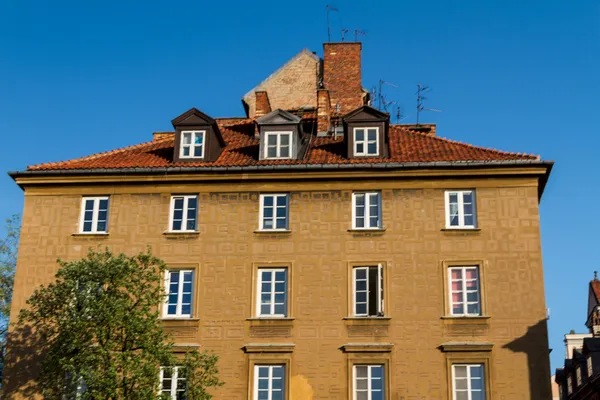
[{"x": 79, "y": 77}]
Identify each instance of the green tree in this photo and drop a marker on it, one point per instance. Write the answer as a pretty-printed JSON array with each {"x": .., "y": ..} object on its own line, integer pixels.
[
  {"x": 100, "y": 329},
  {"x": 8, "y": 262}
]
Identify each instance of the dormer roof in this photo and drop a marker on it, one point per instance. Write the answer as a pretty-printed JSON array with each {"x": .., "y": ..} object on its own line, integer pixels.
[
  {"x": 278, "y": 117},
  {"x": 196, "y": 118},
  {"x": 366, "y": 113}
]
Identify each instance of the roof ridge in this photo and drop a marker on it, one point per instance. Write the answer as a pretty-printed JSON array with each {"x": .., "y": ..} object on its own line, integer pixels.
[
  {"x": 472, "y": 146},
  {"x": 102, "y": 154}
]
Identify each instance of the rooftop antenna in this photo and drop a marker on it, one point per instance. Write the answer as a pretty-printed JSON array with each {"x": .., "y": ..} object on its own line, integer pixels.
[
  {"x": 358, "y": 33},
  {"x": 344, "y": 31},
  {"x": 329, "y": 8},
  {"x": 380, "y": 98},
  {"x": 421, "y": 98},
  {"x": 399, "y": 115}
]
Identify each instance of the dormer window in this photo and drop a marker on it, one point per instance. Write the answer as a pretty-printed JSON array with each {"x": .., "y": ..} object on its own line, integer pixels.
[
  {"x": 279, "y": 145},
  {"x": 366, "y": 141},
  {"x": 192, "y": 144}
]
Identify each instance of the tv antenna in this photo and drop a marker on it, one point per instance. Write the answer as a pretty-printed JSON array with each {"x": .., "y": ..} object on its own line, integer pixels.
[
  {"x": 358, "y": 33},
  {"x": 399, "y": 115},
  {"x": 380, "y": 97},
  {"x": 421, "y": 98},
  {"x": 329, "y": 8},
  {"x": 344, "y": 31}
]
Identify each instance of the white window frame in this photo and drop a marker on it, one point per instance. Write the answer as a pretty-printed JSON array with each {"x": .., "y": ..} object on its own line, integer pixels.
[
  {"x": 192, "y": 145},
  {"x": 174, "y": 378},
  {"x": 464, "y": 291},
  {"x": 461, "y": 209},
  {"x": 369, "y": 380},
  {"x": 367, "y": 216},
  {"x": 184, "y": 217},
  {"x": 270, "y": 379},
  {"x": 259, "y": 283},
  {"x": 278, "y": 134},
  {"x": 95, "y": 212},
  {"x": 366, "y": 141},
  {"x": 380, "y": 289},
  {"x": 275, "y": 196},
  {"x": 469, "y": 388},
  {"x": 179, "y": 306}
]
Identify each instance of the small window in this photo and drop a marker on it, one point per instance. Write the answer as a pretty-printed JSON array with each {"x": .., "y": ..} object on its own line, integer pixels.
[
  {"x": 272, "y": 290},
  {"x": 192, "y": 144},
  {"x": 369, "y": 382},
  {"x": 179, "y": 287},
  {"x": 278, "y": 145},
  {"x": 465, "y": 299},
  {"x": 269, "y": 382},
  {"x": 368, "y": 291},
  {"x": 468, "y": 382},
  {"x": 173, "y": 383},
  {"x": 366, "y": 210},
  {"x": 94, "y": 215},
  {"x": 184, "y": 212},
  {"x": 569, "y": 384},
  {"x": 460, "y": 209},
  {"x": 590, "y": 367},
  {"x": 578, "y": 375},
  {"x": 274, "y": 212},
  {"x": 366, "y": 141}
]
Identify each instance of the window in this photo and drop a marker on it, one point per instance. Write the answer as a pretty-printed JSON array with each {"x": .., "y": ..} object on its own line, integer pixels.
[
  {"x": 278, "y": 145},
  {"x": 184, "y": 211},
  {"x": 464, "y": 291},
  {"x": 569, "y": 384},
  {"x": 192, "y": 144},
  {"x": 368, "y": 291},
  {"x": 366, "y": 209},
  {"x": 468, "y": 382},
  {"x": 179, "y": 286},
  {"x": 369, "y": 382},
  {"x": 590, "y": 367},
  {"x": 272, "y": 292},
  {"x": 269, "y": 382},
  {"x": 366, "y": 141},
  {"x": 274, "y": 212},
  {"x": 94, "y": 214},
  {"x": 560, "y": 391},
  {"x": 173, "y": 383},
  {"x": 578, "y": 375},
  {"x": 460, "y": 209}
]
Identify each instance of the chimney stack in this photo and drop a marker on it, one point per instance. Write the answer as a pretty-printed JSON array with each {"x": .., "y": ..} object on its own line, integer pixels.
[
  {"x": 262, "y": 104},
  {"x": 323, "y": 111},
  {"x": 342, "y": 75}
]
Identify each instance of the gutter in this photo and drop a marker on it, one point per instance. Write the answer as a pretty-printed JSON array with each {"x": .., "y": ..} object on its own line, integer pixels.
[{"x": 292, "y": 167}]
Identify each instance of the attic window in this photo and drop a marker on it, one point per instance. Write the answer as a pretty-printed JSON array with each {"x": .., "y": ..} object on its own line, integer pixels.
[
  {"x": 278, "y": 145},
  {"x": 192, "y": 144},
  {"x": 366, "y": 141}
]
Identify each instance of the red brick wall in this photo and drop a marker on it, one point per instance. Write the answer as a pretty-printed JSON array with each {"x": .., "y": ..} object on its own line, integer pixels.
[
  {"x": 342, "y": 74},
  {"x": 263, "y": 107}
]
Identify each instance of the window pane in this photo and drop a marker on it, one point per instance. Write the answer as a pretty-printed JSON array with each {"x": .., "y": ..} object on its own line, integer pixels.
[
  {"x": 284, "y": 152},
  {"x": 372, "y": 134},
  {"x": 267, "y": 223},
  {"x": 359, "y": 134},
  {"x": 87, "y": 226},
  {"x": 284, "y": 140},
  {"x": 268, "y": 201},
  {"x": 101, "y": 226},
  {"x": 186, "y": 151},
  {"x": 281, "y": 212},
  {"x": 469, "y": 220},
  {"x": 468, "y": 197},
  {"x": 282, "y": 200},
  {"x": 89, "y": 205},
  {"x": 268, "y": 212},
  {"x": 453, "y": 197},
  {"x": 281, "y": 224},
  {"x": 103, "y": 204},
  {"x": 88, "y": 215},
  {"x": 198, "y": 151},
  {"x": 372, "y": 148},
  {"x": 271, "y": 152},
  {"x": 360, "y": 148},
  {"x": 187, "y": 138},
  {"x": 272, "y": 140},
  {"x": 176, "y": 225},
  {"x": 361, "y": 371},
  {"x": 199, "y": 138}
]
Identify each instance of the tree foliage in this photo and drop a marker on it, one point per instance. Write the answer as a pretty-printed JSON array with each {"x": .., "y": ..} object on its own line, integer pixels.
[{"x": 99, "y": 323}]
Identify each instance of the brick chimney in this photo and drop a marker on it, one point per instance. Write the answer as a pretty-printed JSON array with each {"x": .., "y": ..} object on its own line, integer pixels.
[
  {"x": 323, "y": 110},
  {"x": 342, "y": 75},
  {"x": 262, "y": 105}
]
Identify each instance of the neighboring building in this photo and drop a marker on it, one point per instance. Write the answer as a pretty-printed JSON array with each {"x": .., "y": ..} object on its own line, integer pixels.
[
  {"x": 579, "y": 379},
  {"x": 319, "y": 250}
]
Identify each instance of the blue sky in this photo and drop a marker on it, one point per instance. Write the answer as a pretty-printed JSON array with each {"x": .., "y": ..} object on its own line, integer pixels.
[{"x": 81, "y": 77}]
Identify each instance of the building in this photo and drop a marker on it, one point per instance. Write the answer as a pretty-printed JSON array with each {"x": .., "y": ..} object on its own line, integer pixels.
[
  {"x": 321, "y": 251},
  {"x": 579, "y": 379}
]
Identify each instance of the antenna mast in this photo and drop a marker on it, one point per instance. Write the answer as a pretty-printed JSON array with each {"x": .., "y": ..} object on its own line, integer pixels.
[
  {"x": 421, "y": 98},
  {"x": 344, "y": 31},
  {"x": 357, "y": 33},
  {"x": 329, "y": 8},
  {"x": 380, "y": 98}
]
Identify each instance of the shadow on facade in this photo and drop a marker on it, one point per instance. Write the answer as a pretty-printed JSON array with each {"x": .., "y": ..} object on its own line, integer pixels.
[
  {"x": 535, "y": 345},
  {"x": 23, "y": 356}
]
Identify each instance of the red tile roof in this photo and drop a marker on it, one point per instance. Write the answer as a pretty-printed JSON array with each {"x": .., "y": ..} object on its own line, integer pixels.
[{"x": 242, "y": 150}]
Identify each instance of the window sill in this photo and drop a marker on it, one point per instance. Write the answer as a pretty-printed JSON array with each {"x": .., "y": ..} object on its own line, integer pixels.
[
  {"x": 465, "y": 320},
  {"x": 90, "y": 234},
  {"x": 257, "y": 321},
  {"x": 179, "y": 319},
  {"x": 273, "y": 232},
  {"x": 367, "y": 318},
  {"x": 369, "y": 321},
  {"x": 182, "y": 234},
  {"x": 461, "y": 229},
  {"x": 368, "y": 231}
]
